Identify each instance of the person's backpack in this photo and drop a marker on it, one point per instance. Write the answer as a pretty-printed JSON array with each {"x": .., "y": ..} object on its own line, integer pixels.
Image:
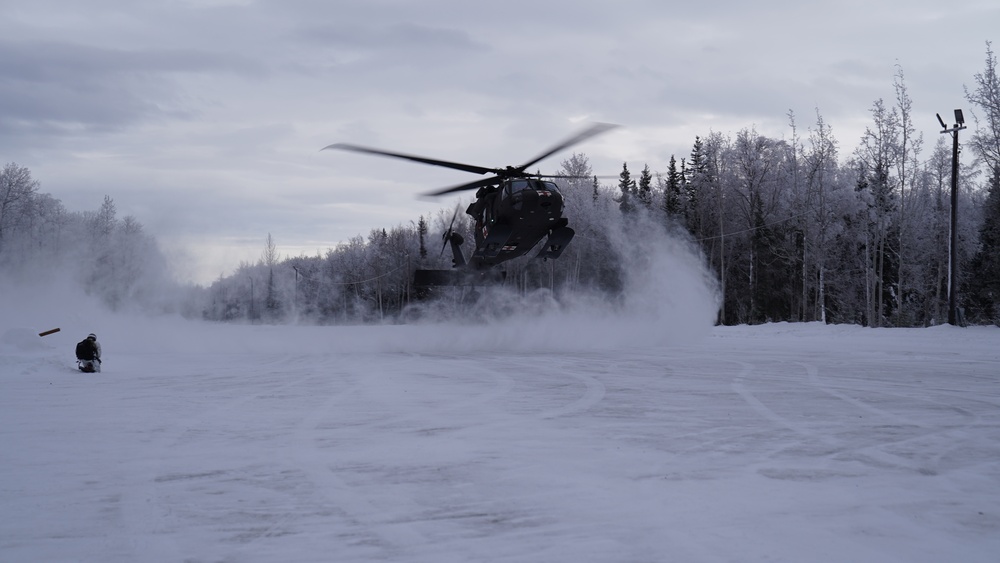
[{"x": 85, "y": 350}]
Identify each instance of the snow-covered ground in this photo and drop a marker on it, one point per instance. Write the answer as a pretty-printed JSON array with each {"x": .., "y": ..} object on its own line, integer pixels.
[
  {"x": 513, "y": 441},
  {"x": 577, "y": 431}
]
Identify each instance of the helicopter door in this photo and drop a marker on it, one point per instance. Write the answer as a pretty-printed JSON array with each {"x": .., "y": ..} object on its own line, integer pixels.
[{"x": 489, "y": 213}]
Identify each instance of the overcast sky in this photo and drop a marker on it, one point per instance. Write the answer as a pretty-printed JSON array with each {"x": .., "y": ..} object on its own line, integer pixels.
[{"x": 205, "y": 118}]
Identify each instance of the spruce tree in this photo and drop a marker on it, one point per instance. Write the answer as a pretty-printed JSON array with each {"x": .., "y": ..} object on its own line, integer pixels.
[
  {"x": 983, "y": 280},
  {"x": 627, "y": 187},
  {"x": 672, "y": 194},
  {"x": 696, "y": 175},
  {"x": 422, "y": 233},
  {"x": 645, "y": 188}
]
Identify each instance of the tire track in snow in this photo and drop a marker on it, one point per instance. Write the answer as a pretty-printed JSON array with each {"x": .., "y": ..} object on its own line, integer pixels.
[
  {"x": 390, "y": 528},
  {"x": 332, "y": 499},
  {"x": 812, "y": 372},
  {"x": 503, "y": 384},
  {"x": 350, "y": 502},
  {"x": 836, "y": 447},
  {"x": 145, "y": 528},
  {"x": 875, "y": 454},
  {"x": 397, "y": 527},
  {"x": 878, "y": 454},
  {"x": 763, "y": 410},
  {"x": 593, "y": 393}
]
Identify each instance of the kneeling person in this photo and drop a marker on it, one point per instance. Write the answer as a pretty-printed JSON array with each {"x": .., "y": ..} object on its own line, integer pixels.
[{"x": 88, "y": 354}]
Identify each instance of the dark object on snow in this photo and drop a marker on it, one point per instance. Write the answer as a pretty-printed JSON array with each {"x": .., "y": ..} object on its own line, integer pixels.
[
  {"x": 88, "y": 354},
  {"x": 48, "y": 332},
  {"x": 85, "y": 350}
]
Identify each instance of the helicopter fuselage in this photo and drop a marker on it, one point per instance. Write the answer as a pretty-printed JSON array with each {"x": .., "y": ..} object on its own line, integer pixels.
[{"x": 512, "y": 218}]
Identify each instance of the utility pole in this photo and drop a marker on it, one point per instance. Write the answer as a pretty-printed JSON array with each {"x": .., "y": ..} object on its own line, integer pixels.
[
  {"x": 953, "y": 247},
  {"x": 295, "y": 293},
  {"x": 251, "y": 300}
]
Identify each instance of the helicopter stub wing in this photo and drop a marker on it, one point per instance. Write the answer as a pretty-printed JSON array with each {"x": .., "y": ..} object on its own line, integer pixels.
[
  {"x": 495, "y": 241},
  {"x": 556, "y": 243}
]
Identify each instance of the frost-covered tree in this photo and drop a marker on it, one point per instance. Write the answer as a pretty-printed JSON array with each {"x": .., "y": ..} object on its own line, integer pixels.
[
  {"x": 269, "y": 259},
  {"x": 800, "y": 230},
  {"x": 758, "y": 194},
  {"x": 907, "y": 165},
  {"x": 112, "y": 259},
  {"x": 644, "y": 189},
  {"x": 985, "y": 97},
  {"x": 696, "y": 180},
  {"x": 827, "y": 204},
  {"x": 878, "y": 156},
  {"x": 983, "y": 280},
  {"x": 422, "y": 234},
  {"x": 578, "y": 168},
  {"x": 98, "y": 262},
  {"x": 672, "y": 190},
  {"x": 626, "y": 190},
  {"x": 17, "y": 189}
]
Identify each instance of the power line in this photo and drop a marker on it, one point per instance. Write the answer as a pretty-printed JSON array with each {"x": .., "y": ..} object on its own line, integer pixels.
[{"x": 751, "y": 229}]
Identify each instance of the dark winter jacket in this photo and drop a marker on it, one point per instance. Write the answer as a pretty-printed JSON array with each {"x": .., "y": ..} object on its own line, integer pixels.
[{"x": 88, "y": 350}]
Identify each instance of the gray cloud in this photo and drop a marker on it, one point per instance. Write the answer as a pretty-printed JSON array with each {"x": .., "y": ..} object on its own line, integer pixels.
[{"x": 54, "y": 89}]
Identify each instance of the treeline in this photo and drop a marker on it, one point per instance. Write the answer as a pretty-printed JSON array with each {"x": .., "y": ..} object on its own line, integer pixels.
[
  {"x": 793, "y": 231},
  {"x": 793, "y": 235},
  {"x": 790, "y": 229},
  {"x": 796, "y": 234},
  {"x": 110, "y": 258}
]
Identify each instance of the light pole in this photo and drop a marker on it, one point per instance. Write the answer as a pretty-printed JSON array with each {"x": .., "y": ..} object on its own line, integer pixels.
[
  {"x": 295, "y": 293},
  {"x": 953, "y": 247},
  {"x": 251, "y": 299}
]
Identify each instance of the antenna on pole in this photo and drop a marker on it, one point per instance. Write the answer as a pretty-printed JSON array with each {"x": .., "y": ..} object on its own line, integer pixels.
[{"x": 953, "y": 313}]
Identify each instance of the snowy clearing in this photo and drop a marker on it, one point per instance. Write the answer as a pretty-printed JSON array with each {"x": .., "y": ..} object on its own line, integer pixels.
[{"x": 210, "y": 443}]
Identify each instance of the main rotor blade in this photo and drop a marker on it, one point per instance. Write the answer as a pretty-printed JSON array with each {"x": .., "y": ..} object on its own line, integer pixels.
[
  {"x": 591, "y": 177},
  {"x": 595, "y": 129},
  {"x": 469, "y": 186},
  {"x": 432, "y": 161}
]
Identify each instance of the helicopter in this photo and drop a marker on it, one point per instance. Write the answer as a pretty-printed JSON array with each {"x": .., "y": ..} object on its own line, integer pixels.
[{"x": 513, "y": 211}]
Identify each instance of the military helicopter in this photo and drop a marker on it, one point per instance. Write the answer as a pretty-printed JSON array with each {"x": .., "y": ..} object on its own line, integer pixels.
[{"x": 513, "y": 211}]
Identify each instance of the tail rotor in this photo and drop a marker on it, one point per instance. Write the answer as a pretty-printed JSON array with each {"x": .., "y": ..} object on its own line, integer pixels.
[
  {"x": 456, "y": 240},
  {"x": 450, "y": 234}
]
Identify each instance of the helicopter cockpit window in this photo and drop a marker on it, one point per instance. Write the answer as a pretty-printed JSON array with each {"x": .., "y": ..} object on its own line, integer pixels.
[
  {"x": 518, "y": 185},
  {"x": 515, "y": 186}
]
